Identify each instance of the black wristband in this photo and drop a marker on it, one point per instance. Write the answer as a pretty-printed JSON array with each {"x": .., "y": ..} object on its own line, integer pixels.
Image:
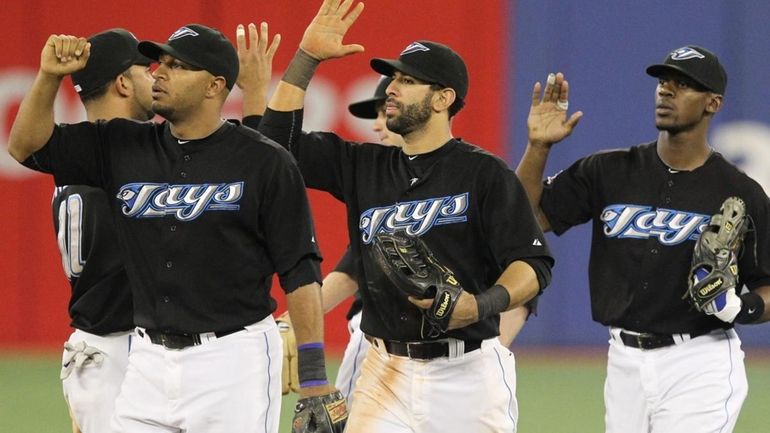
[
  {"x": 301, "y": 69},
  {"x": 494, "y": 300},
  {"x": 752, "y": 308},
  {"x": 311, "y": 365}
]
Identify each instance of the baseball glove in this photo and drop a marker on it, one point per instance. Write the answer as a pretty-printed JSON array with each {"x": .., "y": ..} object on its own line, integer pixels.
[
  {"x": 714, "y": 268},
  {"x": 289, "y": 369},
  {"x": 320, "y": 414},
  {"x": 411, "y": 267}
]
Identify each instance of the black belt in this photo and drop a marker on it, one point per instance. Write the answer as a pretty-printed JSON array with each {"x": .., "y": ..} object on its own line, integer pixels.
[
  {"x": 423, "y": 350},
  {"x": 649, "y": 341},
  {"x": 179, "y": 341}
]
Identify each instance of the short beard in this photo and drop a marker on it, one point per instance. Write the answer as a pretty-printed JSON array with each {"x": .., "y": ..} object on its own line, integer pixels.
[
  {"x": 164, "y": 112},
  {"x": 412, "y": 118}
]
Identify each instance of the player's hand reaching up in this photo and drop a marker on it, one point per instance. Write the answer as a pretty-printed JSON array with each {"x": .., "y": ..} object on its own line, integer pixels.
[
  {"x": 323, "y": 37},
  {"x": 255, "y": 58},
  {"x": 547, "y": 122},
  {"x": 64, "y": 54}
]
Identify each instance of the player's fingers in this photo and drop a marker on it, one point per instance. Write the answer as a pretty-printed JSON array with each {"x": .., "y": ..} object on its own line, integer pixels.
[
  {"x": 240, "y": 38},
  {"x": 564, "y": 92},
  {"x": 421, "y": 303},
  {"x": 326, "y": 7},
  {"x": 550, "y": 82},
  {"x": 258, "y": 38},
  {"x": 536, "y": 94},
  {"x": 66, "y": 50},
  {"x": 353, "y": 15},
  {"x": 274, "y": 46},
  {"x": 574, "y": 119},
  {"x": 80, "y": 46}
]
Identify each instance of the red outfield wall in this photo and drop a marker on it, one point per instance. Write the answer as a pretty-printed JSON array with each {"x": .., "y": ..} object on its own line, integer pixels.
[{"x": 34, "y": 290}]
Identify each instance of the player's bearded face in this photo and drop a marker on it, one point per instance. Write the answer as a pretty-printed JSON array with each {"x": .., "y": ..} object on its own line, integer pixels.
[
  {"x": 412, "y": 116},
  {"x": 178, "y": 89}
]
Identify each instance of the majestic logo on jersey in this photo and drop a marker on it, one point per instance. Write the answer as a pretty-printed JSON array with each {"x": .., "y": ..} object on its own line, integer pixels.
[
  {"x": 686, "y": 53},
  {"x": 414, "y": 47},
  {"x": 671, "y": 227},
  {"x": 185, "y": 202},
  {"x": 414, "y": 217},
  {"x": 182, "y": 32}
]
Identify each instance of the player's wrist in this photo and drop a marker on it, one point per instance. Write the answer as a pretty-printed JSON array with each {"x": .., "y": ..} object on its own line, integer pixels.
[
  {"x": 752, "y": 308},
  {"x": 311, "y": 365},
  {"x": 301, "y": 69},
  {"x": 493, "y": 301}
]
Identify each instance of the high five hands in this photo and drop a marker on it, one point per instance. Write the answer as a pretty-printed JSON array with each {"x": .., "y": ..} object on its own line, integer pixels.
[{"x": 547, "y": 122}]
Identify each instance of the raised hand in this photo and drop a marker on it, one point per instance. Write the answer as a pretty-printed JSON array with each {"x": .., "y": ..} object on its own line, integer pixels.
[
  {"x": 255, "y": 57},
  {"x": 323, "y": 37},
  {"x": 547, "y": 122},
  {"x": 64, "y": 54}
]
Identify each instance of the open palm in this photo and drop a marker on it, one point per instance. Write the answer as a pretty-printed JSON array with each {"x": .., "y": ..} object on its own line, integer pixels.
[
  {"x": 323, "y": 37},
  {"x": 547, "y": 122}
]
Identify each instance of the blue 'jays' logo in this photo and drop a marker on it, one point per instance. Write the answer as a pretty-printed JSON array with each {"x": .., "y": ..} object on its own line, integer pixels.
[
  {"x": 685, "y": 53},
  {"x": 414, "y": 217},
  {"x": 671, "y": 227},
  {"x": 185, "y": 202}
]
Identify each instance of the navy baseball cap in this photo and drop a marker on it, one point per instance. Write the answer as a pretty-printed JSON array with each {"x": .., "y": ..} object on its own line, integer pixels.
[
  {"x": 199, "y": 46},
  {"x": 113, "y": 51},
  {"x": 367, "y": 109},
  {"x": 430, "y": 62},
  {"x": 696, "y": 63}
]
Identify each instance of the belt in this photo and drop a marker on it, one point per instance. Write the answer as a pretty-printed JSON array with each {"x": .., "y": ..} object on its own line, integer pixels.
[
  {"x": 649, "y": 341},
  {"x": 181, "y": 341},
  {"x": 423, "y": 350}
]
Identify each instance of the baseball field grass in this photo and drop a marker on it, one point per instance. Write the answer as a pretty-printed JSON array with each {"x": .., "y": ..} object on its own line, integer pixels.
[{"x": 559, "y": 391}]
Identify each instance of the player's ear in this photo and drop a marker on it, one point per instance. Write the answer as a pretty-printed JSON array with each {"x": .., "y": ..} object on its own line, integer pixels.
[
  {"x": 216, "y": 86},
  {"x": 714, "y": 103},
  {"x": 123, "y": 85},
  {"x": 443, "y": 99}
]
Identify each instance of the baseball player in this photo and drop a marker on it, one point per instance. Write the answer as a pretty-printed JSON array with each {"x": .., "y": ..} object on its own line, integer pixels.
[
  {"x": 670, "y": 368},
  {"x": 200, "y": 205},
  {"x": 116, "y": 82},
  {"x": 454, "y": 196}
]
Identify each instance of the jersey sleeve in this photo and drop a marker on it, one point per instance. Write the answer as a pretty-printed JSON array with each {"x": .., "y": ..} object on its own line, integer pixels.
[
  {"x": 566, "y": 199},
  {"x": 754, "y": 263},
  {"x": 288, "y": 226},
  {"x": 348, "y": 264},
  {"x": 72, "y": 154},
  {"x": 510, "y": 223},
  {"x": 324, "y": 159}
]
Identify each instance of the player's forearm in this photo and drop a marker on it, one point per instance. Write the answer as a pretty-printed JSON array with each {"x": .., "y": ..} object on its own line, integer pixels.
[
  {"x": 520, "y": 280},
  {"x": 511, "y": 322},
  {"x": 764, "y": 293},
  {"x": 305, "y": 309},
  {"x": 337, "y": 286},
  {"x": 254, "y": 103},
  {"x": 530, "y": 172},
  {"x": 35, "y": 120},
  {"x": 290, "y": 93}
]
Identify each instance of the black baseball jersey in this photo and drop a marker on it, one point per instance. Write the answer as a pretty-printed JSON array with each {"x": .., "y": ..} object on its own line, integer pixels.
[
  {"x": 466, "y": 204},
  {"x": 101, "y": 295},
  {"x": 349, "y": 265},
  {"x": 646, "y": 218},
  {"x": 203, "y": 223}
]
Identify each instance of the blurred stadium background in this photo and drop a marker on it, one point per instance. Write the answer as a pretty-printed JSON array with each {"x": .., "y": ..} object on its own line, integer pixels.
[{"x": 602, "y": 46}]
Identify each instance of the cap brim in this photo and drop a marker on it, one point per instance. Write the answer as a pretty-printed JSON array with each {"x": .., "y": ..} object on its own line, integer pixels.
[
  {"x": 387, "y": 67},
  {"x": 366, "y": 109},
  {"x": 153, "y": 51},
  {"x": 660, "y": 69}
]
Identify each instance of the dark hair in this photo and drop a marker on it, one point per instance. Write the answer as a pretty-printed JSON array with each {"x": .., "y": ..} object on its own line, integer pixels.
[{"x": 456, "y": 106}]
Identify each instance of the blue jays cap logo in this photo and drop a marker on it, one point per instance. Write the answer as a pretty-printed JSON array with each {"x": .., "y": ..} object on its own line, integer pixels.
[
  {"x": 182, "y": 32},
  {"x": 686, "y": 53},
  {"x": 414, "y": 47}
]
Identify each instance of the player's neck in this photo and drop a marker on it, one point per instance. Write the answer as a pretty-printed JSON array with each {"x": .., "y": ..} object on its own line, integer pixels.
[
  {"x": 684, "y": 151},
  {"x": 196, "y": 127},
  {"x": 427, "y": 139},
  {"x": 107, "y": 110}
]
